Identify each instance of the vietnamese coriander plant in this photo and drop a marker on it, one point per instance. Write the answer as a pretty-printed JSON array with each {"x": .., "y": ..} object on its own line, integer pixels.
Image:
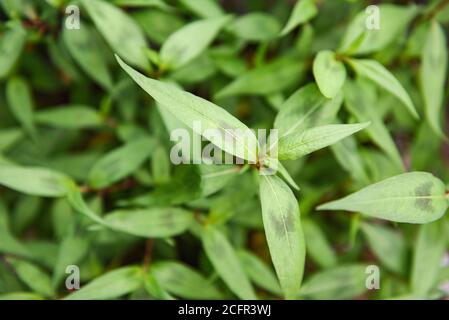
[{"x": 100, "y": 200}]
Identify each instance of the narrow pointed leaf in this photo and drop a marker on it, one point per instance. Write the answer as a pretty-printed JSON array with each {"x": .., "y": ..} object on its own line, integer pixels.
[
  {"x": 120, "y": 31},
  {"x": 303, "y": 11},
  {"x": 364, "y": 35},
  {"x": 270, "y": 78},
  {"x": 69, "y": 117},
  {"x": 113, "y": 284},
  {"x": 204, "y": 8},
  {"x": 388, "y": 245},
  {"x": 259, "y": 272},
  {"x": 150, "y": 223},
  {"x": 189, "y": 108},
  {"x": 377, "y": 73},
  {"x": 83, "y": 46},
  {"x": 120, "y": 162},
  {"x": 21, "y": 103},
  {"x": 341, "y": 282},
  {"x": 35, "y": 278},
  {"x": 11, "y": 45},
  {"x": 225, "y": 261},
  {"x": 433, "y": 75},
  {"x": 318, "y": 247},
  {"x": 256, "y": 26},
  {"x": 299, "y": 144},
  {"x": 71, "y": 250},
  {"x": 413, "y": 197},
  {"x": 430, "y": 245},
  {"x": 304, "y": 109},
  {"x": 284, "y": 233},
  {"x": 8, "y": 137},
  {"x": 361, "y": 103},
  {"x": 183, "y": 281},
  {"x": 34, "y": 181},
  {"x": 188, "y": 42},
  {"x": 330, "y": 74}
]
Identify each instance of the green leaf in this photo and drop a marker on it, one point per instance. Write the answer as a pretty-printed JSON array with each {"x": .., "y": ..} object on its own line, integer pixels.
[
  {"x": 83, "y": 45},
  {"x": 270, "y": 78},
  {"x": 158, "y": 25},
  {"x": 8, "y": 137},
  {"x": 21, "y": 296},
  {"x": 13, "y": 8},
  {"x": 11, "y": 45},
  {"x": 348, "y": 156},
  {"x": 71, "y": 250},
  {"x": 284, "y": 233},
  {"x": 198, "y": 70},
  {"x": 143, "y": 4},
  {"x": 120, "y": 162},
  {"x": 113, "y": 284},
  {"x": 120, "y": 31},
  {"x": 183, "y": 281},
  {"x": 204, "y": 8},
  {"x": 189, "y": 108},
  {"x": 433, "y": 75},
  {"x": 186, "y": 181},
  {"x": 287, "y": 177},
  {"x": 21, "y": 103},
  {"x": 393, "y": 20},
  {"x": 259, "y": 272},
  {"x": 8, "y": 243},
  {"x": 69, "y": 117},
  {"x": 256, "y": 26},
  {"x": 33, "y": 277},
  {"x": 303, "y": 11},
  {"x": 304, "y": 109},
  {"x": 341, "y": 282},
  {"x": 377, "y": 73},
  {"x": 412, "y": 197},
  {"x": 318, "y": 246},
  {"x": 225, "y": 261},
  {"x": 424, "y": 139},
  {"x": 215, "y": 177},
  {"x": 34, "y": 181},
  {"x": 299, "y": 144},
  {"x": 154, "y": 289},
  {"x": 330, "y": 73},
  {"x": 430, "y": 246},
  {"x": 160, "y": 165},
  {"x": 25, "y": 213},
  {"x": 388, "y": 245},
  {"x": 190, "y": 41},
  {"x": 76, "y": 201},
  {"x": 361, "y": 102},
  {"x": 150, "y": 223}
]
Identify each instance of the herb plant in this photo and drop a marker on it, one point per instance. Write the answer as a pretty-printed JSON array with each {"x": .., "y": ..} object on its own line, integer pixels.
[{"x": 351, "y": 196}]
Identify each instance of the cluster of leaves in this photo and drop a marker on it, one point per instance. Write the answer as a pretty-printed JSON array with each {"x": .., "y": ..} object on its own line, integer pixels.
[{"x": 84, "y": 152}]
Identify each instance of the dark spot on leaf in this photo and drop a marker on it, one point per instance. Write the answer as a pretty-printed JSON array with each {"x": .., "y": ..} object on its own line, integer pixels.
[
  {"x": 167, "y": 220},
  {"x": 423, "y": 201},
  {"x": 283, "y": 223}
]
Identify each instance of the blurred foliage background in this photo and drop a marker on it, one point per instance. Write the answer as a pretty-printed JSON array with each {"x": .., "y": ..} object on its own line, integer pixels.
[{"x": 65, "y": 105}]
